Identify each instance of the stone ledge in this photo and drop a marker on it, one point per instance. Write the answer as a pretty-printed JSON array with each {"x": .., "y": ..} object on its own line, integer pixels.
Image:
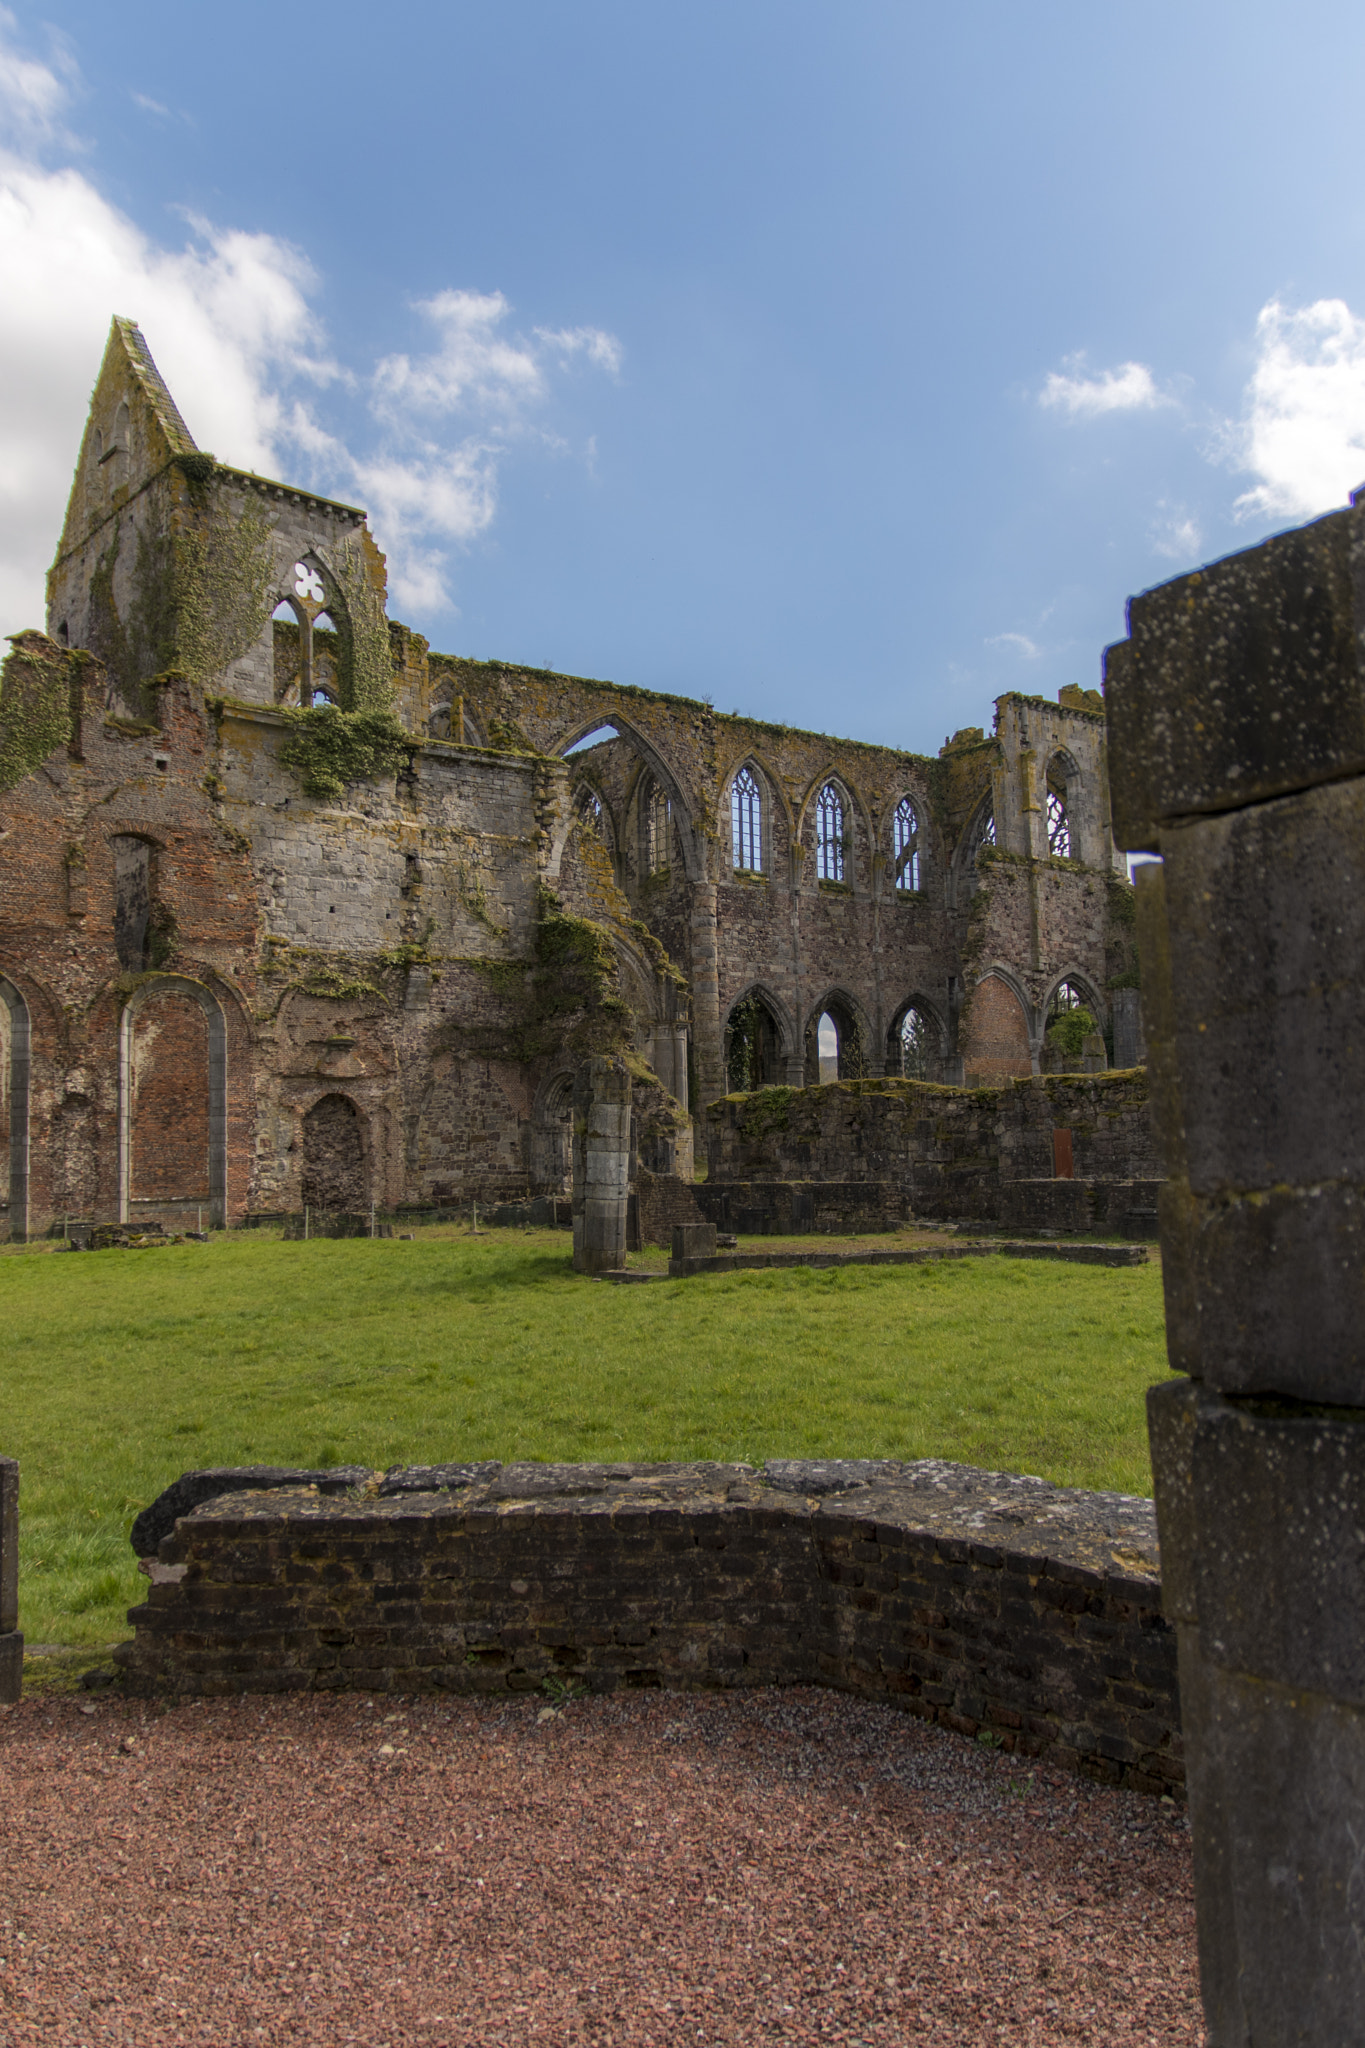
[{"x": 989, "y": 1601}]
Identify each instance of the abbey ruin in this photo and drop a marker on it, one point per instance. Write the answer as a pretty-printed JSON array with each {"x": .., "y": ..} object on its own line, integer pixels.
[{"x": 295, "y": 911}]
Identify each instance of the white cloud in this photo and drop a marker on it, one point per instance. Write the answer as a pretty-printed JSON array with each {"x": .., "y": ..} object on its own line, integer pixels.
[
  {"x": 1302, "y": 433},
  {"x": 33, "y": 95},
  {"x": 1176, "y": 533},
  {"x": 140, "y": 99},
  {"x": 472, "y": 367},
  {"x": 229, "y": 320},
  {"x": 1020, "y": 642},
  {"x": 603, "y": 351},
  {"x": 1082, "y": 396}
]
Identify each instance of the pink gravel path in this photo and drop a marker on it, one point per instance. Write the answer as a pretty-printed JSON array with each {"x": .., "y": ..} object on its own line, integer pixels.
[{"x": 776, "y": 1867}]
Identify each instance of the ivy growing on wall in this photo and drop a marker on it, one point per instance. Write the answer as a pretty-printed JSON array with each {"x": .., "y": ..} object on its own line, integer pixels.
[
  {"x": 328, "y": 750},
  {"x": 367, "y": 665},
  {"x": 35, "y": 705},
  {"x": 565, "y": 999}
]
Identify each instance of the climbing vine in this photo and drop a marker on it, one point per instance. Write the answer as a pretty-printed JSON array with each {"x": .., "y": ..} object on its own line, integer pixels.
[
  {"x": 35, "y": 705},
  {"x": 328, "y": 750}
]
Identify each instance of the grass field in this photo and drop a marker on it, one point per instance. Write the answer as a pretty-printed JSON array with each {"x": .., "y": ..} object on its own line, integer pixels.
[{"x": 122, "y": 1369}]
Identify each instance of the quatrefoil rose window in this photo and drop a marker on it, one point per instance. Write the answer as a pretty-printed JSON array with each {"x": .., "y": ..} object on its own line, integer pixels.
[{"x": 308, "y": 584}]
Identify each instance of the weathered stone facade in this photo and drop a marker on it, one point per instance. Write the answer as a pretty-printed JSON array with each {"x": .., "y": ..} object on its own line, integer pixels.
[
  {"x": 294, "y": 911},
  {"x": 981, "y": 1600}
]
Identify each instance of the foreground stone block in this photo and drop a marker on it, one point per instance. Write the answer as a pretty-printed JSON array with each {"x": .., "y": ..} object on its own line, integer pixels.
[
  {"x": 1237, "y": 735},
  {"x": 1238, "y": 682},
  {"x": 978, "y": 1599}
]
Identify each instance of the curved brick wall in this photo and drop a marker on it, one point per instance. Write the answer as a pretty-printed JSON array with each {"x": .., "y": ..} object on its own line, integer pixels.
[{"x": 977, "y": 1599}]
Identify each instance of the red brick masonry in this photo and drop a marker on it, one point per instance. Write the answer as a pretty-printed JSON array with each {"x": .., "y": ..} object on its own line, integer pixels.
[{"x": 991, "y": 1603}]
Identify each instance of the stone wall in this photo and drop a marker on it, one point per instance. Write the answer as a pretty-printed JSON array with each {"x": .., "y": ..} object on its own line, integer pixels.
[
  {"x": 989, "y": 1603},
  {"x": 987, "y": 1154}
]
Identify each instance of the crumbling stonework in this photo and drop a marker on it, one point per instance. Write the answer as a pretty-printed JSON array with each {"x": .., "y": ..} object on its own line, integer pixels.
[
  {"x": 989, "y": 1603},
  {"x": 1064, "y": 1152},
  {"x": 1239, "y": 747},
  {"x": 260, "y": 848}
]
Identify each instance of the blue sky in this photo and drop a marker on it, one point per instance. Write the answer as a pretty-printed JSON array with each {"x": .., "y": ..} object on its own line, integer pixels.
[{"x": 848, "y": 365}]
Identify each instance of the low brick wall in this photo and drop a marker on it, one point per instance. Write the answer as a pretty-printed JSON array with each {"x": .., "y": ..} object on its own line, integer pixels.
[{"x": 980, "y": 1600}]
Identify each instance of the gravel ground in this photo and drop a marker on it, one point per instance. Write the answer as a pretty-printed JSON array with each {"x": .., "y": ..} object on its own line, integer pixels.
[{"x": 650, "y": 1868}]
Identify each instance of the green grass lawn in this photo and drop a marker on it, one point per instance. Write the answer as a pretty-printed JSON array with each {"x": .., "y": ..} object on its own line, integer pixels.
[{"x": 123, "y": 1369}]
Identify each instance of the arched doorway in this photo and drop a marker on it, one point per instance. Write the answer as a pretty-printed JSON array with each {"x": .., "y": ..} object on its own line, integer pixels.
[
  {"x": 172, "y": 1134},
  {"x": 334, "y": 1173},
  {"x": 914, "y": 1046},
  {"x": 836, "y": 1044}
]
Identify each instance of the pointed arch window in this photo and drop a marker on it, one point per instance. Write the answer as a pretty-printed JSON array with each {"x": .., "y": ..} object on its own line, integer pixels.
[
  {"x": 985, "y": 827},
  {"x": 589, "y": 808},
  {"x": 1059, "y": 842},
  {"x": 746, "y": 822},
  {"x": 831, "y": 836},
  {"x": 658, "y": 829},
  {"x": 917, "y": 1042},
  {"x": 906, "y": 831}
]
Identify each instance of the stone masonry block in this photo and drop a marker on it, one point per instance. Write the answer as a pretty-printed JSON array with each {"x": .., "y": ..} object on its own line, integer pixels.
[
  {"x": 1277, "y": 1785},
  {"x": 1238, "y": 682},
  {"x": 1265, "y": 913}
]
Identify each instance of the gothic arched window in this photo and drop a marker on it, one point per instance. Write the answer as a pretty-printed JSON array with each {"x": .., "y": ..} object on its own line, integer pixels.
[
  {"x": 589, "y": 808},
  {"x": 918, "y": 1043},
  {"x": 830, "y": 835},
  {"x": 907, "y": 845},
  {"x": 746, "y": 822},
  {"x": 1058, "y": 826},
  {"x": 658, "y": 829}
]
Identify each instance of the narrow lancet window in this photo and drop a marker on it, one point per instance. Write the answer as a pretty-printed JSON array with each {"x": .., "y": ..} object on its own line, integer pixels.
[
  {"x": 907, "y": 845},
  {"x": 830, "y": 835},
  {"x": 746, "y": 823}
]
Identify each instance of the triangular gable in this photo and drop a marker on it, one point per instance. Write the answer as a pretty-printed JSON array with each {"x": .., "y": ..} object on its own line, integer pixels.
[{"x": 132, "y": 431}]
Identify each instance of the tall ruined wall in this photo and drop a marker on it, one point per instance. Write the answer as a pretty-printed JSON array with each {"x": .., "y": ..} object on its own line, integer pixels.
[
  {"x": 1009, "y": 910},
  {"x": 238, "y": 996}
]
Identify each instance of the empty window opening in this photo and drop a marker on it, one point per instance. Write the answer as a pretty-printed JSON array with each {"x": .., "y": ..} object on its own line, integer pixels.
[
  {"x": 906, "y": 829},
  {"x": 308, "y": 585},
  {"x": 753, "y": 1047},
  {"x": 827, "y": 1048},
  {"x": 834, "y": 1048},
  {"x": 916, "y": 1044},
  {"x": 1070, "y": 1021},
  {"x": 831, "y": 836},
  {"x": 132, "y": 901},
  {"x": 1058, "y": 825},
  {"x": 590, "y": 813},
  {"x": 746, "y": 823},
  {"x": 985, "y": 826},
  {"x": 657, "y": 816}
]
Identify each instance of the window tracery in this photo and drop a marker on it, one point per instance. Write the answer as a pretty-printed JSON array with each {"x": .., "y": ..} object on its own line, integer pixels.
[
  {"x": 906, "y": 838},
  {"x": 746, "y": 822},
  {"x": 831, "y": 838}
]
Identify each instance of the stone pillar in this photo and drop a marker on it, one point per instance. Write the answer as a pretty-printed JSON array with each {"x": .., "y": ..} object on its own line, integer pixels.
[
  {"x": 1237, "y": 752},
  {"x": 707, "y": 1028},
  {"x": 11, "y": 1642},
  {"x": 601, "y": 1165}
]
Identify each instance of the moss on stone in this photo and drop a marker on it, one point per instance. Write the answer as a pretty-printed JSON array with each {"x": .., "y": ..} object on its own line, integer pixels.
[
  {"x": 328, "y": 750},
  {"x": 35, "y": 705}
]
